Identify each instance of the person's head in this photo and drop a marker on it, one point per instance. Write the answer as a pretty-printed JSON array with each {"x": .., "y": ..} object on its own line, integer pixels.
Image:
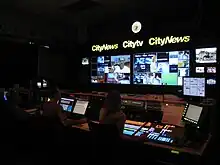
[
  {"x": 113, "y": 102},
  {"x": 121, "y": 63},
  {"x": 55, "y": 94},
  {"x": 154, "y": 59}
]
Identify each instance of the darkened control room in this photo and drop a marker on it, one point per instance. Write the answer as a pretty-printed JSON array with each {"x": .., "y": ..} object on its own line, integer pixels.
[{"x": 109, "y": 82}]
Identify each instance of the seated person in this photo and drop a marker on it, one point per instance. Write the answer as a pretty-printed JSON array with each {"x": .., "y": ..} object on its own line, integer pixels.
[
  {"x": 111, "y": 113},
  {"x": 54, "y": 111}
]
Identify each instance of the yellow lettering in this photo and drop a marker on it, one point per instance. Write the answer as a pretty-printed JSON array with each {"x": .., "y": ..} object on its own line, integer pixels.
[
  {"x": 94, "y": 48},
  {"x": 186, "y": 38},
  {"x": 151, "y": 41},
  {"x": 98, "y": 48},
  {"x": 168, "y": 40}
]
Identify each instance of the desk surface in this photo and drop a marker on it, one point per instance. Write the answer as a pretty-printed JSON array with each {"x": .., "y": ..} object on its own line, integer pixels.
[{"x": 196, "y": 152}]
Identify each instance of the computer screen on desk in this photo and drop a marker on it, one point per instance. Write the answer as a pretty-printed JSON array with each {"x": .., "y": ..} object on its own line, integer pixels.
[
  {"x": 80, "y": 107},
  {"x": 130, "y": 129},
  {"x": 192, "y": 113},
  {"x": 67, "y": 104}
]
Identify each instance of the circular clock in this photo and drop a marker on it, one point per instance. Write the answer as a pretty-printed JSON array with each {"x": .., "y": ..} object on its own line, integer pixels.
[{"x": 136, "y": 27}]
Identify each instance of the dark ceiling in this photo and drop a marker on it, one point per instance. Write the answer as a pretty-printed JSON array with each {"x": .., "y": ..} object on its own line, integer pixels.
[{"x": 75, "y": 21}]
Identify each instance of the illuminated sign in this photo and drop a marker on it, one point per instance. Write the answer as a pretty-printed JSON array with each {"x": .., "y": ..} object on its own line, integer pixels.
[
  {"x": 168, "y": 40},
  {"x": 134, "y": 44},
  {"x": 131, "y": 44},
  {"x": 98, "y": 48}
]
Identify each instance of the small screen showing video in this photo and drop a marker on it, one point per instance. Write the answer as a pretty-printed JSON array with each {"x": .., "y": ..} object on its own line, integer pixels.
[
  {"x": 206, "y": 55},
  {"x": 85, "y": 61},
  {"x": 200, "y": 69},
  {"x": 211, "y": 81},
  {"x": 111, "y": 69},
  {"x": 161, "y": 68},
  {"x": 211, "y": 69}
]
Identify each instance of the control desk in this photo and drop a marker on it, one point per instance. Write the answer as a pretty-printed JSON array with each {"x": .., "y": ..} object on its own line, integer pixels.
[{"x": 157, "y": 122}]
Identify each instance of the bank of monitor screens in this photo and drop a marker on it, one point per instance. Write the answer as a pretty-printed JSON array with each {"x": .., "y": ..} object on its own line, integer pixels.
[
  {"x": 80, "y": 107},
  {"x": 161, "y": 68},
  {"x": 67, "y": 104},
  {"x": 192, "y": 113},
  {"x": 111, "y": 69},
  {"x": 194, "y": 86},
  {"x": 206, "y": 55}
]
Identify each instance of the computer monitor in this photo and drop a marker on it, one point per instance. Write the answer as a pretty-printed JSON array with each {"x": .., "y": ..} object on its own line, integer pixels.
[
  {"x": 206, "y": 55},
  {"x": 80, "y": 107},
  {"x": 194, "y": 86},
  {"x": 200, "y": 69},
  {"x": 192, "y": 113},
  {"x": 67, "y": 104},
  {"x": 211, "y": 69}
]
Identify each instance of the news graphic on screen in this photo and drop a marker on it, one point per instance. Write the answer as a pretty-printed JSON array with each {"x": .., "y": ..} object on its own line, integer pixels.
[
  {"x": 161, "y": 68},
  {"x": 211, "y": 69},
  {"x": 85, "y": 61},
  {"x": 80, "y": 107},
  {"x": 206, "y": 55},
  {"x": 194, "y": 86},
  {"x": 67, "y": 104},
  {"x": 211, "y": 81},
  {"x": 200, "y": 69},
  {"x": 111, "y": 69}
]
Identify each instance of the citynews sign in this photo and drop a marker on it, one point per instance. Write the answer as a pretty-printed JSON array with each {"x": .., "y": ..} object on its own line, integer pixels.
[{"x": 134, "y": 44}]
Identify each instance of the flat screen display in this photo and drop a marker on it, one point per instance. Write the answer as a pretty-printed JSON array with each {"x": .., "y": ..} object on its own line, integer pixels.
[
  {"x": 80, "y": 107},
  {"x": 200, "y": 69},
  {"x": 85, "y": 61},
  {"x": 194, "y": 86},
  {"x": 206, "y": 55},
  {"x": 161, "y": 68},
  {"x": 111, "y": 69},
  {"x": 67, "y": 104},
  {"x": 211, "y": 81},
  {"x": 130, "y": 129},
  {"x": 211, "y": 69},
  {"x": 193, "y": 113}
]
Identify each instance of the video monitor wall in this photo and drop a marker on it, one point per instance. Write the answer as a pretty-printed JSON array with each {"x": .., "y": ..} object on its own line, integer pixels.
[
  {"x": 161, "y": 68},
  {"x": 111, "y": 69}
]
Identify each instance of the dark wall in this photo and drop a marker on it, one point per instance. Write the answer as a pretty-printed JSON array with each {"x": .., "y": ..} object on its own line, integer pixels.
[{"x": 18, "y": 63}]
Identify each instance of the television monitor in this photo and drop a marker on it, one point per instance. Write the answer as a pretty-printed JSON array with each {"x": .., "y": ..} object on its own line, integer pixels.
[
  {"x": 194, "y": 86},
  {"x": 85, "y": 61},
  {"x": 211, "y": 81},
  {"x": 200, "y": 69},
  {"x": 206, "y": 55},
  {"x": 111, "y": 69},
  {"x": 80, "y": 107},
  {"x": 192, "y": 113},
  {"x": 211, "y": 69},
  {"x": 67, "y": 104},
  {"x": 161, "y": 68}
]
